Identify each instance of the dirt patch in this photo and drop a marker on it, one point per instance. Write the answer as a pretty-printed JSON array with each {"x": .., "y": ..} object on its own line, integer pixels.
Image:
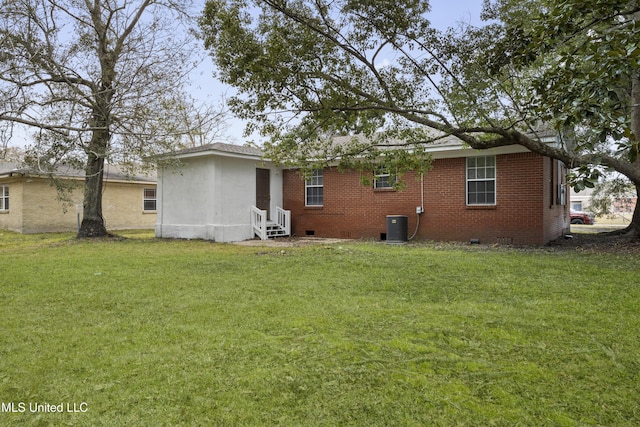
[
  {"x": 593, "y": 239},
  {"x": 289, "y": 242},
  {"x": 597, "y": 239}
]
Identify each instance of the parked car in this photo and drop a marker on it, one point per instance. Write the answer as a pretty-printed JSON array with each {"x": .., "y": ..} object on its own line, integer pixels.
[{"x": 578, "y": 217}]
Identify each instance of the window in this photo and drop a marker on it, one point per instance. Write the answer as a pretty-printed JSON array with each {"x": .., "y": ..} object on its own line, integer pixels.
[
  {"x": 562, "y": 184},
  {"x": 558, "y": 183},
  {"x": 4, "y": 197},
  {"x": 382, "y": 179},
  {"x": 313, "y": 189},
  {"x": 149, "y": 199},
  {"x": 481, "y": 180},
  {"x": 576, "y": 206},
  {"x": 623, "y": 205}
]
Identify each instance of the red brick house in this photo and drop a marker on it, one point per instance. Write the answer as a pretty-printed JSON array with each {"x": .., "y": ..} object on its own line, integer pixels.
[{"x": 506, "y": 195}]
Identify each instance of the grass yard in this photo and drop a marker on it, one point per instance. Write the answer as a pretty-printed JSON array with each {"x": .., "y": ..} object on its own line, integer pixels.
[{"x": 146, "y": 332}]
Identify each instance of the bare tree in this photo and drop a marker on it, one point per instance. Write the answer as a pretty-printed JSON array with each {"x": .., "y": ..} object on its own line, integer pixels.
[{"x": 99, "y": 80}]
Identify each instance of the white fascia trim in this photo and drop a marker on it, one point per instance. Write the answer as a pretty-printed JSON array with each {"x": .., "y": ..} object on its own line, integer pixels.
[
  {"x": 218, "y": 153},
  {"x": 461, "y": 151}
]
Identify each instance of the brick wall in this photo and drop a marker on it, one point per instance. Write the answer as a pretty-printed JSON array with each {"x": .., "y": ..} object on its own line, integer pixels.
[
  {"x": 12, "y": 219},
  {"x": 522, "y": 214},
  {"x": 34, "y": 203},
  {"x": 122, "y": 206}
]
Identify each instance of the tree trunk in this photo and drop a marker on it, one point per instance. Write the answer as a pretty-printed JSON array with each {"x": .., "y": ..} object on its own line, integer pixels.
[
  {"x": 634, "y": 227},
  {"x": 92, "y": 220}
]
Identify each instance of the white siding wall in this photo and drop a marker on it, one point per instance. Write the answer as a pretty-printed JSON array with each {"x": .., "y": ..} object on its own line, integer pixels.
[{"x": 210, "y": 197}]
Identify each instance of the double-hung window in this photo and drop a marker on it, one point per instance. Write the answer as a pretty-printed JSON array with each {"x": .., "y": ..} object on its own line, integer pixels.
[
  {"x": 4, "y": 197},
  {"x": 314, "y": 189},
  {"x": 481, "y": 180},
  {"x": 149, "y": 199},
  {"x": 382, "y": 179}
]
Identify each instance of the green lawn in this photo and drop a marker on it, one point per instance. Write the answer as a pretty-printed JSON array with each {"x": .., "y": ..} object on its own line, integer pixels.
[{"x": 145, "y": 332}]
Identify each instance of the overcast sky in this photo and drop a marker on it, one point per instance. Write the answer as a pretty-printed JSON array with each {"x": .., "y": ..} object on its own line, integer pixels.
[{"x": 447, "y": 13}]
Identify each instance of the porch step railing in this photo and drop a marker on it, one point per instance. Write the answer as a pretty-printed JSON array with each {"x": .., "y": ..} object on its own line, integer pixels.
[
  {"x": 259, "y": 222},
  {"x": 265, "y": 229},
  {"x": 284, "y": 220}
]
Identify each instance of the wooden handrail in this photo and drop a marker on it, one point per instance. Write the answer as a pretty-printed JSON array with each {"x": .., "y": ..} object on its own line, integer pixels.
[
  {"x": 259, "y": 222},
  {"x": 284, "y": 219}
]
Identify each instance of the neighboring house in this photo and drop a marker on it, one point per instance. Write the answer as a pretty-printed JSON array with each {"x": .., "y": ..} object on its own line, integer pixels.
[
  {"x": 505, "y": 195},
  {"x": 30, "y": 203},
  {"x": 580, "y": 200},
  {"x": 220, "y": 192},
  {"x": 624, "y": 205},
  {"x": 621, "y": 207}
]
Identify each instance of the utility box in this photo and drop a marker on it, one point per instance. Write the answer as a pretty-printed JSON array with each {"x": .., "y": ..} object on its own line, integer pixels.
[{"x": 397, "y": 228}]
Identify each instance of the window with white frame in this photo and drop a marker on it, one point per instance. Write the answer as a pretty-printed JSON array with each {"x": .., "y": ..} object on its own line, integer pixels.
[
  {"x": 481, "y": 180},
  {"x": 314, "y": 189},
  {"x": 4, "y": 197},
  {"x": 149, "y": 199},
  {"x": 382, "y": 179}
]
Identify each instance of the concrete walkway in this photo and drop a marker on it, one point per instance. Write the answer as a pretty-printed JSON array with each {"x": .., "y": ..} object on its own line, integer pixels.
[{"x": 288, "y": 242}]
